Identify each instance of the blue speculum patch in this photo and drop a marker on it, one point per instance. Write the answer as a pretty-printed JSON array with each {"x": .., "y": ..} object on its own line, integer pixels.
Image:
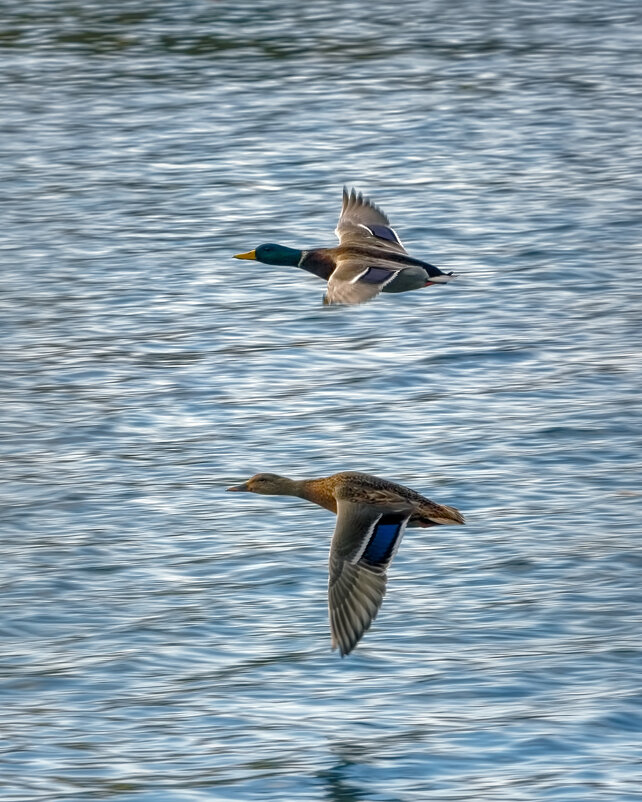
[
  {"x": 376, "y": 275},
  {"x": 383, "y": 232},
  {"x": 383, "y": 540}
]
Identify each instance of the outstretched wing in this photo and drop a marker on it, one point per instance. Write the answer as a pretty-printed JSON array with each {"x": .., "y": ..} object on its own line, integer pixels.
[
  {"x": 361, "y": 223},
  {"x": 355, "y": 282},
  {"x": 365, "y": 540}
]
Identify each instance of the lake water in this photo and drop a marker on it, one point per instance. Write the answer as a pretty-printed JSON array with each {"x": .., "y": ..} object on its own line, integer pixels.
[{"x": 164, "y": 640}]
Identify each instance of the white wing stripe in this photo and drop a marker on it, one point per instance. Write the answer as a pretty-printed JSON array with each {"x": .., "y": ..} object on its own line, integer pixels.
[
  {"x": 358, "y": 276},
  {"x": 392, "y": 277},
  {"x": 366, "y": 539}
]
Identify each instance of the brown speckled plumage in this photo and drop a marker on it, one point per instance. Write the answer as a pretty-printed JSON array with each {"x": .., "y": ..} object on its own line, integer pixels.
[
  {"x": 372, "y": 514},
  {"x": 368, "y": 489}
]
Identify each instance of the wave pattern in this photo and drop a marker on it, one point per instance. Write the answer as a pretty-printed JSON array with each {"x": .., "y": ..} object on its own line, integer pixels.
[{"x": 162, "y": 639}]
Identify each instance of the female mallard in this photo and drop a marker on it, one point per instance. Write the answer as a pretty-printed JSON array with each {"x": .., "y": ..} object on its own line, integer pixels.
[
  {"x": 370, "y": 258},
  {"x": 372, "y": 514}
]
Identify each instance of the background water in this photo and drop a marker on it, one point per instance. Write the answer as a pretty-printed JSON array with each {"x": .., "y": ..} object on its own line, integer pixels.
[{"x": 165, "y": 641}]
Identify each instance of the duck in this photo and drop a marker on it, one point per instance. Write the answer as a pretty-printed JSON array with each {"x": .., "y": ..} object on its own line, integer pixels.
[
  {"x": 368, "y": 260},
  {"x": 372, "y": 515}
]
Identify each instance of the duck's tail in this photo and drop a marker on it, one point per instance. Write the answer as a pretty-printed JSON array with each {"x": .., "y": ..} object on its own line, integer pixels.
[
  {"x": 437, "y": 276},
  {"x": 433, "y": 514}
]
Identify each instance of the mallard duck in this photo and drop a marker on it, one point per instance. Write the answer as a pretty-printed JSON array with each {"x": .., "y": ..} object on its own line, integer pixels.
[
  {"x": 370, "y": 258},
  {"x": 372, "y": 514}
]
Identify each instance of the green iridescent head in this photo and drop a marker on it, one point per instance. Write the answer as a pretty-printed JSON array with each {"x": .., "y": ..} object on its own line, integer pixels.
[{"x": 271, "y": 254}]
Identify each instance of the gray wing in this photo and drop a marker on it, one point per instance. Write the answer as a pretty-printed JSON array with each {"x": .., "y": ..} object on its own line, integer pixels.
[
  {"x": 361, "y": 222},
  {"x": 355, "y": 282},
  {"x": 365, "y": 540}
]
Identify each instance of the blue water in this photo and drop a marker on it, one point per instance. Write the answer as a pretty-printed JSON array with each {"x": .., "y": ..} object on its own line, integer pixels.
[{"x": 164, "y": 640}]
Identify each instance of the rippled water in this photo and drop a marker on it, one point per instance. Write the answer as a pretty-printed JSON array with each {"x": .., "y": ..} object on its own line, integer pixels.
[{"x": 165, "y": 641}]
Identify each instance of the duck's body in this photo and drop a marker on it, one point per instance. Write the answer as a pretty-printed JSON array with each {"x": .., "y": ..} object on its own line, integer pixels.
[
  {"x": 372, "y": 514},
  {"x": 412, "y": 274},
  {"x": 369, "y": 259}
]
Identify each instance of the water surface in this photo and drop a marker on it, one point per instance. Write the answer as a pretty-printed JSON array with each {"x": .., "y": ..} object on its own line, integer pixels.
[{"x": 165, "y": 641}]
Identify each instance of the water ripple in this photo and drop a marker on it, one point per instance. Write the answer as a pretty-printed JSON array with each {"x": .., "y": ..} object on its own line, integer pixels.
[{"x": 162, "y": 639}]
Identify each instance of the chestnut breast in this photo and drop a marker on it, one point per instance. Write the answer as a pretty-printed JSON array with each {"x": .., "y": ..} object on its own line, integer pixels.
[{"x": 321, "y": 492}]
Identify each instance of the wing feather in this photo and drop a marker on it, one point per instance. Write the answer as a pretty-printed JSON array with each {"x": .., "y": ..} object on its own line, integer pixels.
[
  {"x": 354, "y": 282},
  {"x": 361, "y": 222},
  {"x": 356, "y": 585}
]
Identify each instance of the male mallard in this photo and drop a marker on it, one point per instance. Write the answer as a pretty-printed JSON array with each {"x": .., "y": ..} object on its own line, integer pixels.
[
  {"x": 372, "y": 514},
  {"x": 369, "y": 260}
]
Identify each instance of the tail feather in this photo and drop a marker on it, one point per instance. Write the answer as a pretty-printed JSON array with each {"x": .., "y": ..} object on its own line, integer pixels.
[
  {"x": 439, "y": 514},
  {"x": 453, "y": 516},
  {"x": 441, "y": 278}
]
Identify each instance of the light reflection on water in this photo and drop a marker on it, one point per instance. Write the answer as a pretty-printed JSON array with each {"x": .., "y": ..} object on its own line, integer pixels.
[{"x": 164, "y": 640}]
